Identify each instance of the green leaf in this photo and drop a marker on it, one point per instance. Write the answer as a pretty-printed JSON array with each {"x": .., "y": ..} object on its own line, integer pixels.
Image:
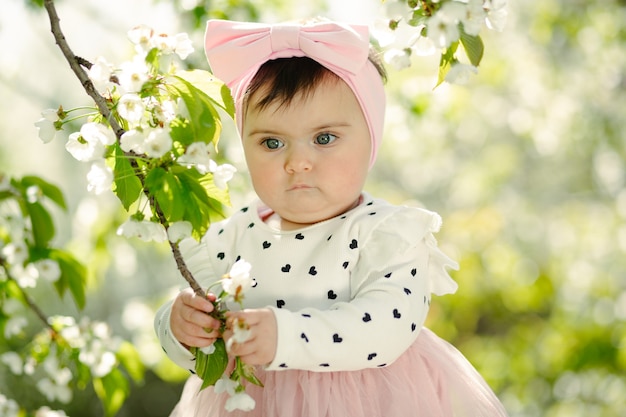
[
  {"x": 73, "y": 276},
  {"x": 127, "y": 185},
  {"x": 49, "y": 190},
  {"x": 201, "y": 206},
  {"x": 131, "y": 360},
  {"x": 214, "y": 88},
  {"x": 474, "y": 47},
  {"x": 169, "y": 194},
  {"x": 112, "y": 389},
  {"x": 42, "y": 225},
  {"x": 211, "y": 367},
  {"x": 205, "y": 123},
  {"x": 445, "y": 63}
]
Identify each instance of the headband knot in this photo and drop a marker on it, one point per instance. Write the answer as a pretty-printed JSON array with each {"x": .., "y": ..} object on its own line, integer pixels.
[
  {"x": 236, "y": 50},
  {"x": 284, "y": 37}
]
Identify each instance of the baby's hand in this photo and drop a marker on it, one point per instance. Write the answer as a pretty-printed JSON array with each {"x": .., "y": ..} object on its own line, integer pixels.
[
  {"x": 190, "y": 323},
  {"x": 260, "y": 347}
]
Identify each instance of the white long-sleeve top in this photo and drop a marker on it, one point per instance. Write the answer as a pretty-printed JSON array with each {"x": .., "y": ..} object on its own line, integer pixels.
[{"x": 348, "y": 293}]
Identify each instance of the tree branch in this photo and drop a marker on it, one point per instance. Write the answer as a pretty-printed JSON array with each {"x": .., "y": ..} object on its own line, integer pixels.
[{"x": 76, "y": 64}]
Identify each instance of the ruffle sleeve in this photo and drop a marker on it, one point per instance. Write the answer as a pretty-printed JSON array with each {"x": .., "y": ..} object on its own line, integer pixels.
[{"x": 400, "y": 232}]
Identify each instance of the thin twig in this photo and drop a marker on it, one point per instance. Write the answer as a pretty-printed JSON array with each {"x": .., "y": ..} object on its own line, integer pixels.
[{"x": 76, "y": 64}]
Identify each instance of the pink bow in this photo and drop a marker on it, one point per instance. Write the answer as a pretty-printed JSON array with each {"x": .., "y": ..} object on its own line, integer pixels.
[{"x": 235, "y": 49}]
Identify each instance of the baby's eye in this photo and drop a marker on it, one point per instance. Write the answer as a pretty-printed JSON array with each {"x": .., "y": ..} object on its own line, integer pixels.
[
  {"x": 325, "y": 138},
  {"x": 272, "y": 143}
]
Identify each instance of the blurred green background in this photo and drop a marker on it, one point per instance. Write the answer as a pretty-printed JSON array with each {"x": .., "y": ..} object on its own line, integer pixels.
[{"x": 526, "y": 164}]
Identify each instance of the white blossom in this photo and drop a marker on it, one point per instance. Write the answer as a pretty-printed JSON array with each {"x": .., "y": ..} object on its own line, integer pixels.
[
  {"x": 47, "y": 269},
  {"x": 442, "y": 32},
  {"x": 54, "y": 391},
  {"x": 164, "y": 43},
  {"x": 14, "y": 326},
  {"x": 241, "y": 332},
  {"x": 13, "y": 361},
  {"x": 133, "y": 74},
  {"x": 239, "y": 401},
  {"x": 98, "y": 358},
  {"x": 238, "y": 280},
  {"x": 198, "y": 155},
  {"x": 208, "y": 350},
  {"x": 164, "y": 112},
  {"x": 26, "y": 277},
  {"x": 89, "y": 144},
  {"x": 144, "y": 230},
  {"x": 45, "y": 411},
  {"x": 33, "y": 194},
  {"x": 182, "y": 45},
  {"x": 423, "y": 46},
  {"x": 97, "y": 132},
  {"x": 474, "y": 17},
  {"x": 397, "y": 58},
  {"x": 55, "y": 386},
  {"x": 222, "y": 173},
  {"x": 158, "y": 143},
  {"x": 178, "y": 231},
  {"x": 99, "y": 177},
  {"x": 225, "y": 384},
  {"x": 496, "y": 14},
  {"x": 15, "y": 253},
  {"x": 82, "y": 150},
  {"x": 460, "y": 73},
  {"x": 100, "y": 75},
  {"x": 47, "y": 125},
  {"x": 131, "y": 107},
  {"x": 141, "y": 36},
  {"x": 8, "y": 407},
  {"x": 133, "y": 140}
]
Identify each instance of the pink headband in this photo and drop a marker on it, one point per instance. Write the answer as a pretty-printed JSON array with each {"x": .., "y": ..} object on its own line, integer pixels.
[{"x": 236, "y": 50}]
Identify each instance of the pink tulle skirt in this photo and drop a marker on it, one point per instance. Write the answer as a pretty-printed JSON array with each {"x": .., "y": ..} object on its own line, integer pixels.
[{"x": 431, "y": 379}]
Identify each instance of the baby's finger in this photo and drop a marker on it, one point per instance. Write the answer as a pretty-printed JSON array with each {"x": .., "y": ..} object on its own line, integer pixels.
[{"x": 195, "y": 301}]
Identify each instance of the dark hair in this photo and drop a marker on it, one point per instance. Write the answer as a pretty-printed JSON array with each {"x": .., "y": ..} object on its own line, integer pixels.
[{"x": 284, "y": 78}]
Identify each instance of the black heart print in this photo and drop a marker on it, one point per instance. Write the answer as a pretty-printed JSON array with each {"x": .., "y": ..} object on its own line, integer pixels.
[
  {"x": 280, "y": 303},
  {"x": 220, "y": 255},
  {"x": 396, "y": 313},
  {"x": 331, "y": 295},
  {"x": 337, "y": 338},
  {"x": 299, "y": 236},
  {"x": 312, "y": 271},
  {"x": 371, "y": 356},
  {"x": 354, "y": 244},
  {"x": 286, "y": 268},
  {"x": 266, "y": 244},
  {"x": 367, "y": 317}
]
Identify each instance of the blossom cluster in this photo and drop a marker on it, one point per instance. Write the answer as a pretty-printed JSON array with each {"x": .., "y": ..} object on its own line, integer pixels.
[
  {"x": 16, "y": 261},
  {"x": 51, "y": 357},
  {"x": 146, "y": 108},
  {"x": 424, "y": 27},
  {"x": 234, "y": 286}
]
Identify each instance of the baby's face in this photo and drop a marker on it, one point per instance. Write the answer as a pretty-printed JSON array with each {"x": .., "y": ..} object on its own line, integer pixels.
[{"x": 308, "y": 160}]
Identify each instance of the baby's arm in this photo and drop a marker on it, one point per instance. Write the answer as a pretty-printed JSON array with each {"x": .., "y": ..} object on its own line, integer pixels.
[{"x": 372, "y": 330}]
